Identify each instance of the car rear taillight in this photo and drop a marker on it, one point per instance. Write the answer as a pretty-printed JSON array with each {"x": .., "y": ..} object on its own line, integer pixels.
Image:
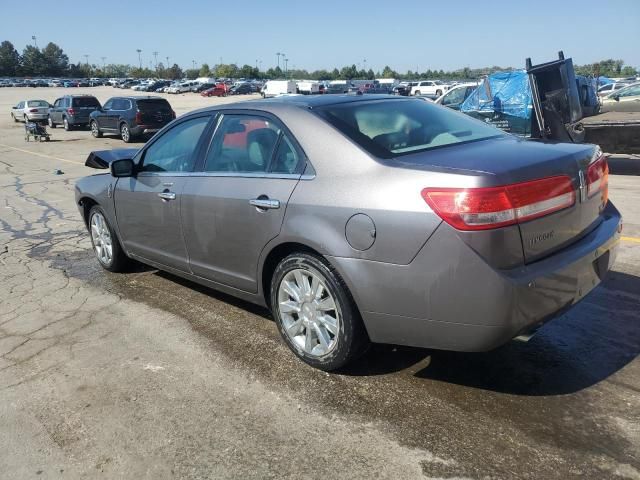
[
  {"x": 71, "y": 111},
  {"x": 138, "y": 117},
  {"x": 493, "y": 207},
  {"x": 598, "y": 179}
]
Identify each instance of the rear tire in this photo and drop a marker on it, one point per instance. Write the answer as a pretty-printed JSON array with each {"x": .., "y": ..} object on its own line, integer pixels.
[
  {"x": 315, "y": 312},
  {"x": 25, "y": 119},
  {"x": 102, "y": 238},
  {"x": 14, "y": 118},
  {"x": 125, "y": 133},
  {"x": 95, "y": 130},
  {"x": 66, "y": 124},
  {"x": 50, "y": 122}
]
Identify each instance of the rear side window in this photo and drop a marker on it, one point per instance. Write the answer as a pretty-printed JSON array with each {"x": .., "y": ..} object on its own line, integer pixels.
[
  {"x": 85, "y": 102},
  {"x": 155, "y": 105},
  {"x": 390, "y": 128}
]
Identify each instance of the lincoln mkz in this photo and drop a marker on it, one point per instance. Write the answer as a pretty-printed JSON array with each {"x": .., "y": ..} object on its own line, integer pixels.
[{"x": 359, "y": 219}]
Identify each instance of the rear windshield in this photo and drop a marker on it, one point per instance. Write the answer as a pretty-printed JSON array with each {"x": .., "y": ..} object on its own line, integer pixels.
[
  {"x": 86, "y": 102},
  {"x": 37, "y": 103},
  {"x": 389, "y": 128},
  {"x": 155, "y": 105}
]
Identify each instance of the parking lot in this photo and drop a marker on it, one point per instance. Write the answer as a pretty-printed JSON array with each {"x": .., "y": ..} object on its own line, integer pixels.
[{"x": 145, "y": 375}]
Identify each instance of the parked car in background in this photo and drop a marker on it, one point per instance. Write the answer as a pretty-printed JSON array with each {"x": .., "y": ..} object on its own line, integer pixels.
[
  {"x": 72, "y": 111},
  {"x": 308, "y": 87},
  {"x": 131, "y": 117},
  {"x": 626, "y": 99},
  {"x": 402, "y": 89},
  {"x": 181, "y": 87},
  {"x": 430, "y": 202},
  {"x": 242, "y": 89},
  {"x": 220, "y": 90},
  {"x": 429, "y": 87},
  {"x": 273, "y": 88},
  {"x": 456, "y": 95},
  {"x": 201, "y": 87},
  {"x": 30, "y": 111},
  {"x": 605, "y": 90}
]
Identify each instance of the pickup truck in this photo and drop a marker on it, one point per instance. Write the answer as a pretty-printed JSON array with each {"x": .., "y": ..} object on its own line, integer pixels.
[{"x": 429, "y": 87}]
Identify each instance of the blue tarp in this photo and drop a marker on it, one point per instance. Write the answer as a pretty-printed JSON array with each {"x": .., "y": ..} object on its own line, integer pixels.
[
  {"x": 508, "y": 93},
  {"x": 604, "y": 81}
]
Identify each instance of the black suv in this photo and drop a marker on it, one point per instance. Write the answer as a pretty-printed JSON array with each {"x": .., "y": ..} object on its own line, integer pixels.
[
  {"x": 131, "y": 117},
  {"x": 72, "y": 111}
]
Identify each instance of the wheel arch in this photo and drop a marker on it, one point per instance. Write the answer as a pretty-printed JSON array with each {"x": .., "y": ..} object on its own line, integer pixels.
[{"x": 273, "y": 258}]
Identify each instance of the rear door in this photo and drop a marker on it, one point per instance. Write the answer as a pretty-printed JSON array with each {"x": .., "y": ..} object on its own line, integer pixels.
[
  {"x": 235, "y": 205},
  {"x": 148, "y": 204}
]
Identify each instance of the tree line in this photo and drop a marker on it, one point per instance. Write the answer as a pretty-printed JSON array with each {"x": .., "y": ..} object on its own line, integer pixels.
[{"x": 51, "y": 61}]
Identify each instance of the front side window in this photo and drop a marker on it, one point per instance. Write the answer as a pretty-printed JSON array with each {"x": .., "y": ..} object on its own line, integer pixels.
[
  {"x": 389, "y": 128},
  {"x": 629, "y": 91},
  {"x": 174, "y": 151},
  {"x": 242, "y": 144}
]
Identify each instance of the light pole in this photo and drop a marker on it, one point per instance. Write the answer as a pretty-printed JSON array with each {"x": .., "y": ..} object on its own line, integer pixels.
[
  {"x": 86, "y": 62},
  {"x": 139, "y": 57},
  {"x": 167, "y": 61},
  {"x": 365, "y": 64},
  {"x": 35, "y": 40},
  {"x": 286, "y": 72},
  {"x": 155, "y": 55},
  {"x": 194, "y": 64},
  {"x": 278, "y": 55}
]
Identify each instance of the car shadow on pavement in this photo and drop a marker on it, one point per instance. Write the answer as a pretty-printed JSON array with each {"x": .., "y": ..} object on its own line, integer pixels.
[{"x": 590, "y": 343}]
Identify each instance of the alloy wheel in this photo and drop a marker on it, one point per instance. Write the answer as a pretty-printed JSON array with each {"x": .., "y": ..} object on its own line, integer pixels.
[
  {"x": 310, "y": 315},
  {"x": 101, "y": 237}
]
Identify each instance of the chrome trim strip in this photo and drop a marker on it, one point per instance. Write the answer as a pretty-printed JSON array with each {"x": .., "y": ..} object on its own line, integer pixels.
[{"x": 283, "y": 176}]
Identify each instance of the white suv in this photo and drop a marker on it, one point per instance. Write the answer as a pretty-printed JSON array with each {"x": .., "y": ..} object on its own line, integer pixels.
[{"x": 429, "y": 87}]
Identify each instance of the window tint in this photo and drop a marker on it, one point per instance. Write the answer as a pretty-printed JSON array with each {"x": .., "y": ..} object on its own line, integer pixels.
[
  {"x": 243, "y": 144},
  {"x": 389, "y": 128},
  {"x": 154, "y": 105},
  {"x": 121, "y": 104},
  {"x": 175, "y": 150},
  {"x": 286, "y": 158},
  {"x": 86, "y": 102}
]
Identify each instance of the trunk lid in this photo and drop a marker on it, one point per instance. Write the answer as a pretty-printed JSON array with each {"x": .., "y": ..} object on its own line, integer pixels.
[{"x": 508, "y": 160}]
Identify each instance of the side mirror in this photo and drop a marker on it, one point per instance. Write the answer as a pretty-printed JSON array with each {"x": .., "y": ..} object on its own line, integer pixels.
[
  {"x": 616, "y": 97},
  {"x": 122, "y": 168}
]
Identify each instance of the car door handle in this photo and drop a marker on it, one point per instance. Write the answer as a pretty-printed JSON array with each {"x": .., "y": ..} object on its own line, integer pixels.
[
  {"x": 167, "y": 195},
  {"x": 265, "y": 203}
]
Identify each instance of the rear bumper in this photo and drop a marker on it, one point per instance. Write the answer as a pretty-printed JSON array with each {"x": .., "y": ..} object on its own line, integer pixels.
[
  {"x": 144, "y": 129},
  {"x": 37, "y": 116},
  {"x": 449, "y": 298}
]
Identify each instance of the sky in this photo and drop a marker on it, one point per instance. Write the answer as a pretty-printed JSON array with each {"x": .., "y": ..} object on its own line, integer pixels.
[{"x": 404, "y": 34}]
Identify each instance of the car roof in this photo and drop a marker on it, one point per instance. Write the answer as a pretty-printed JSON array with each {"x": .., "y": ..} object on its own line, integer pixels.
[
  {"x": 300, "y": 101},
  {"x": 141, "y": 97}
]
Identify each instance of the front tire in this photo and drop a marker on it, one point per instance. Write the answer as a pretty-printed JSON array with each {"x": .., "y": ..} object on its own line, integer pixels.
[
  {"x": 50, "y": 122},
  {"x": 438, "y": 93},
  {"x": 417, "y": 93},
  {"x": 95, "y": 130},
  {"x": 125, "y": 133},
  {"x": 105, "y": 243},
  {"x": 315, "y": 312}
]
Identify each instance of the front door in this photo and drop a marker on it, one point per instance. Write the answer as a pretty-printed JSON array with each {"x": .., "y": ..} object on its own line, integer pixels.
[
  {"x": 148, "y": 204},
  {"x": 236, "y": 204}
]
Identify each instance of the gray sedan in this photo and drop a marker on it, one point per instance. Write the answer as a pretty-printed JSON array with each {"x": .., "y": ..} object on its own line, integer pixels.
[
  {"x": 30, "y": 111},
  {"x": 359, "y": 219}
]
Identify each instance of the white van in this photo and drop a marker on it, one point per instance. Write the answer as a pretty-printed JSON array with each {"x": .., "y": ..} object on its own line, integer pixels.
[
  {"x": 307, "y": 87},
  {"x": 274, "y": 88}
]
